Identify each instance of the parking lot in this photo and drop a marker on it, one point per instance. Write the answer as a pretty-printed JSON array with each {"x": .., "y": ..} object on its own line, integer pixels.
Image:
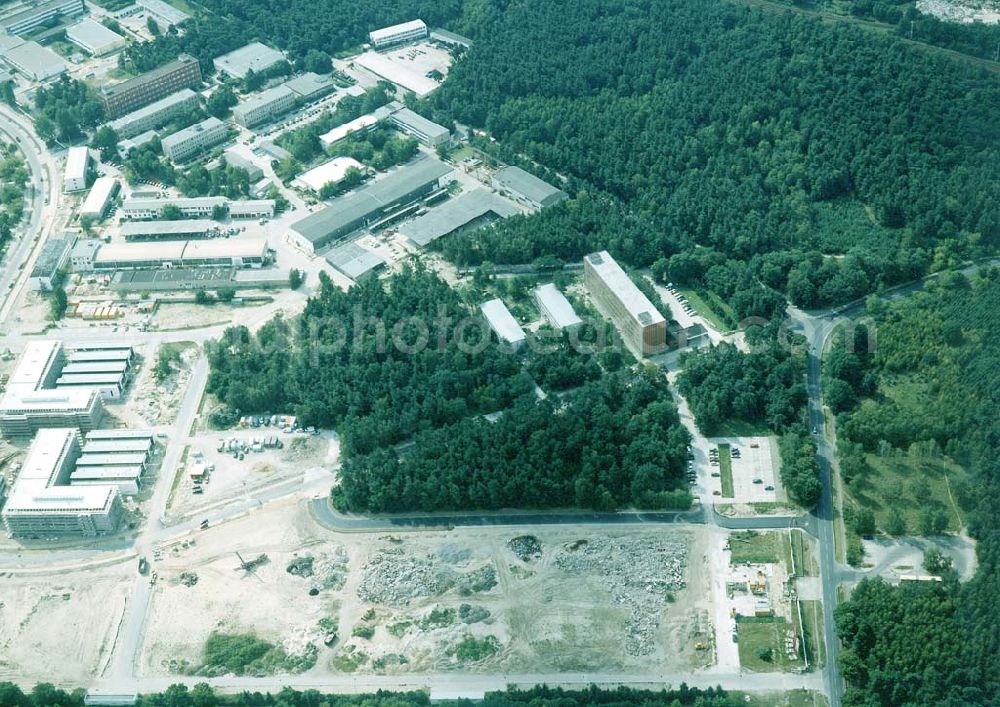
[{"x": 752, "y": 463}]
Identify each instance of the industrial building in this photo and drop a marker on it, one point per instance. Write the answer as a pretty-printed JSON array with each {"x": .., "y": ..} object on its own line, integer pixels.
[
  {"x": 254, "y": 57},
  {"x": 81, "y": 256},
  {"x": 42, "y": 13},
  {"x": 99, "y": 199},
  {"x": 265, "y": 106},
  {"x": 396, "y": 73},
  {"x": 556, "y": 308},
  {"x": 502, "y": 323},
  {"x": 466, "y": 212},
  {"x": 33, "y": 60},
  {"x": 238, "y": 161},
  {"x": 43, "y": 505},
  {"x": 354, "y": 261},
  {"x": 170, "y": 230},
  {"x": 446, "y": 37},
  {"x": 642, "y": 327},
  {"x": 106, "y": 369},
  {"x": 527, "y": 188},
  {"x": 396, "y": 34},
  {"x": 251, "y": 209},
  {"x": 77, "y": 167},
  {"x": 365, "y": 123},
  {"x": 186, "y": 143},
  {"x": 50, "y": 261},
  {"x": 94, "y": 38},
  {"x": 332, "y": 172},
  {"x": 194, "y": 207},
  {"x": 370, "y": 204},
  {"x": 309, "y": 86},
  {"x": 122, "y": 98},
  {"x": 164, "y": 13},
  {"x": 216, "y": 252},
  {"x": 426, "y": 131},
  {"x": 155, "y": 114}
]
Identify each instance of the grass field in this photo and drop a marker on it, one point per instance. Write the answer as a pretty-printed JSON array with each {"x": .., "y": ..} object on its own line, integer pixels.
[
  {"x": 756, "y": 636},
  {"x": 710, "y": 307},
  {"x": 726, "y": 470},
  {"x": 750, "y": 546},
  {"x": 802, "y": 558},
  {"x": 812, "y": 631},
  {"x": 794, "y": 698}
]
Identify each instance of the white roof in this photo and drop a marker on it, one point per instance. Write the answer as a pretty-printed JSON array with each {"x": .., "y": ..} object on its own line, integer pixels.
[
  {"x": 137, "y": 252},
  {"x": 617, "y": 280},
  {"x": 124, "y": 473},
  {"x": 396, "y": 73},
  {"x": 251, "y": 206},
  {"x": 76, "y": 162},
  {"x": 35, "y": 360},
  {"x": 153, "y": 228},
  {"x": 63, "y": 400},
  {"x": 556, "y": 306},
  {"x": 209, "y": 202},
  {"x": 255, "y": 56},
  {"x": 93, "y": 35},
  {"x": 365, "y": 121},
  {"x": 502, "y": 321},
  {"x": 225, "y": 248},
  {"x": 99, "y": 195},
  {"x": 333, "y": 171},
  {"x": 379, "y": 35},
  {"x": 121, "y": 433}
]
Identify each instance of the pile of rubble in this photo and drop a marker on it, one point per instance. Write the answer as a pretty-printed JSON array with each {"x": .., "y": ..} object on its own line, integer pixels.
[
  {"x": 640, "y": 574},
  {"x": 482, "y": 579},
  {"x": 391, "y": 578},
  {"x": 330, "y": 571},
  {"x": 157, "y": 403},
  {"x": 526, "y": 547},
  {"x": 301, "y": 566},
  {"x": 188, "y": 579}
]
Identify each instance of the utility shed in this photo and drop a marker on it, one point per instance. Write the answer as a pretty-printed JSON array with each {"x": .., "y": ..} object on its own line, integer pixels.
[
  {"x": 502, "y": 322},
  {"x": 527, "y": 188},
  {"x": 556, "y": 308}
]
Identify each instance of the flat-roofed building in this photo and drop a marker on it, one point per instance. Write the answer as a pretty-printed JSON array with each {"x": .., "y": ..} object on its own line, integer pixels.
[
  {"x": 170, "y": 230},
  {"x": 556, "y": 308},
  {"x": 38, "y": 366},
  {"x": 42, "y": 505},
  {"x": 113, "y": 366},
  {"x": 332, "y": 172},
  {"x": 369, "y": 204},
  {"x": 164, "y": 13},
  {"x": 127, "y": 479},
  {"x": 25, "y": 412},
  {"x": 191, "y": 141},
  {"x": 527, "y": 188},
  {"x": 310, "y": 86},
  {"x": 148, "y": 118},
  {"x": 265, "y": 106},
  {"x": 110, "y": 385},
  {"x": 32, "y": 17},
  {"x": 365, "y": 123},
  {"x": 81, "y": 255},
  {"x": 237, "y": 161},
  {"x": 251, "y": 208},
  {"x": 124, "y": 355},
  {"x": 195, "y": 207},
  {"x": 641, "y": 326},
  {"x": 33, "y": 60},
  {"x": 77, "y": 168},
  {"x": 396, "y": 73},
  {"x": 446, "y": 37},
  {"x": 112, "y": 459},
  {"x": 99, "y": 198},
  {"x": 121, "y": 98},
  {"x": 254, "y": 57},
  {"x": 354, "y": 261},
  {"x": 468, "y": 211},
  {"x": 50, "y": 261},
  {"x": 129, "y": 445},
  {"x": 94, "y": 38},
  {"x": 126, "y": 146},
  {"x": 502, "y": 323},
  {"x": 241, "y": 252},
  {"x": 120, "y": 433},
  {"x": 216, "y": 252},
  {"x": 426, "y": 131},
  {"x": 396, "y": 34}
]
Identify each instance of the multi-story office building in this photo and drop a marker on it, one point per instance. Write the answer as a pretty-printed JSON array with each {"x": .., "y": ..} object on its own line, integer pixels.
[
  {"x": 426, "y": 131},
  {"x": 43, "y": 505},
  {"x": 100, "y": 196},
  {"x": 186, "y": 143},
  {"x": 77, "y": 165},
  {"x": 556, "y": 308},
  {"x": 265, "y": 106},
  {"x": 196, "y": 207},
  {"x": 42, "y": 13},
  {"x": 405, "y": 32},
  {"x": 155, "y": 114},
  {"x": 502, "y": 323},
  {"x": 642, "y": 327},
  {"x": 527, "y": 188},
  {"x": 184, "y": 72}
]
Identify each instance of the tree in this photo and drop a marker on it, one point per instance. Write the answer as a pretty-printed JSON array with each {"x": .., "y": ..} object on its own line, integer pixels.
[
  {"x": 765, "y": 654},
  {"x": 317, "y": 61},
  {"x": 152, "y": 26},
  {"x": 171, "y": 213},
  {"x": 8, "y": 94},
  {"x": 935, "y": 561},
  {"x": 864, "y": 522},
  {"x": 166, "y": 359},
  {"x": 203, "y": 297},
  {"x": 895, "y": 524},
  {"x": 295, "y": 278},
  {"x": 221, "y": 101},
  {"x": 226, "y": 294}
]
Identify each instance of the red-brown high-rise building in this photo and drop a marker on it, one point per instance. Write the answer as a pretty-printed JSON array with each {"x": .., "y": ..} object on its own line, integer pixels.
[{"x": 125, "y": 97}]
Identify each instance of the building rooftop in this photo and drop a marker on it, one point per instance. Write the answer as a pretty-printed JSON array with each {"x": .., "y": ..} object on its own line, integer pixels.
[
  {"x": 99, "y": 194},
  {"x": 164, "y": 11},
  {"x": 120, "y": 433},
  {"x": 32, "y": 11},
  {"x": 153, "y": 109},
  {"x": 370, "y": 198},
  {"x": 191, "y": 131},
  {"x": 35, "y": 361},
  {"x": 67, "y": 399},
  {"x": 83, "y": 357},
  {"x": 502, "y": 321},
  {"x": 353, "y": 260},
  {"x": 444, "y": 35},
  {"x": 110, "y": 460},
  {"x": 76, "y": 162},
  {"x": 133, "y": 229},
  {"x": 238, "y": 247},
  {"x": 114, "y": 446},
  {"x": 309, "y": 84},
  {"x": 365, "y": 121},
  {"x": 106, "y": 473},
  {"x": 637, "y": 304},
  {"x": 380, "y": 35},
  {"x": 266, "y": 97},
  {"x": 557, "y": 307},
  {"x": 333, "y": 171},
  {"x": 93, "y": 34},
  {"x": 34, "y": 59},
  {"x": 455, "y": 213},
  {"x": 255, "y": 56},
  {"x": 85, "y": 248},
  {"x": 408, "y": 119},
  {"x": 397, "y": 73},
  {"x": 51, "y": 256},
  {"x": 118, "y": 366},
  {"x": 148, "y": 76},
  {"x": 526, "y": 184},
  {"x": 197, "y": 202}
]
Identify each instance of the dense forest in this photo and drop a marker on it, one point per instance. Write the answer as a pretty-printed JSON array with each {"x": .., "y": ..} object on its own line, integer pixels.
[
  {"x": 771, "y": 137},
  {"x": 64, "y": 109},
  {"x": 201, "y": 695},
  {"x": 933, "y": 379},
  {"x": 612, "y": 443}
]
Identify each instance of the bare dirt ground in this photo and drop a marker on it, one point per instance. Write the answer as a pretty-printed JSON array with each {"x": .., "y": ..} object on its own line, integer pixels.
[
  {"x": 583, "y": 598},
  {"x": 149, "y": 402},
  {"x": 59, "y": 628}
]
